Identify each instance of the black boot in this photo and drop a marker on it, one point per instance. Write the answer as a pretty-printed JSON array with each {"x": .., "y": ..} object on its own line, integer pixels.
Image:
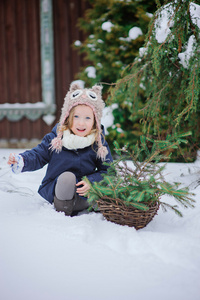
[{"x": 64, "y": 205}]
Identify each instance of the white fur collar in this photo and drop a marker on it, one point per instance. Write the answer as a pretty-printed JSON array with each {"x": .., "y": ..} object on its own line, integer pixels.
[{"x": 71, "y": 141}]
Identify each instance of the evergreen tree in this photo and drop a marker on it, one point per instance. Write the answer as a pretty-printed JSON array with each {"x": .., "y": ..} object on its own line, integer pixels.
[
  {"x": 116, "y": 30},
  {"x": 162, "y": 87}
]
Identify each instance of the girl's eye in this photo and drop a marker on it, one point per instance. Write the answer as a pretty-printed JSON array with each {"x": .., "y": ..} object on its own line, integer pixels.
[
  {"x": 76, "y": 94},
  {"x": 75, "y": 116},
  {"x": 92, "y": 95},
  {"x": 88, "y": 118}
]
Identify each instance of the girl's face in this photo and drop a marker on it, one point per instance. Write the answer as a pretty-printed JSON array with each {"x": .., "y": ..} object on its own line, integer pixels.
[{"x": 83, "y": 120}]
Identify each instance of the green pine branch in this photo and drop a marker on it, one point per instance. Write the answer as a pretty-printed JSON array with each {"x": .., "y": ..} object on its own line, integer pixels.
[{"x": 144, "y": 183}]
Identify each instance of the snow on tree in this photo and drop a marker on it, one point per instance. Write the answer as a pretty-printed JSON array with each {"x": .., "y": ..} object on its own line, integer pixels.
[
  {"x": 116, "y": 30},
  {"x": 162, "y": 87}
]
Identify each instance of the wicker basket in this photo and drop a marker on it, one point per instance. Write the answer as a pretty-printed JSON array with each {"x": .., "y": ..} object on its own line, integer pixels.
[{"x": 116, "y": 211}]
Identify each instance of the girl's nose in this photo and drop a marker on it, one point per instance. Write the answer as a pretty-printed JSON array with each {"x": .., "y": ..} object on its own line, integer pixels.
[{"x": 80, "y": 121}]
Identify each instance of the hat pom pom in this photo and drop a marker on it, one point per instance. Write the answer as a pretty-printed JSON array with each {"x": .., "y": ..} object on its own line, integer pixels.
[
  {"x": 102, "y": 152},
  {"x": 56, "y": 144}
]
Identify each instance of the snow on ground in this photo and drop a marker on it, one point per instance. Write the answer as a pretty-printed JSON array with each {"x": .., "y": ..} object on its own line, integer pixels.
[{"x": 45, "y": 255}]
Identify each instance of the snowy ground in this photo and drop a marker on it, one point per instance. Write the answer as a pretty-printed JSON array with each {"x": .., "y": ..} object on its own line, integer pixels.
[{"x": 45, "y": 255}]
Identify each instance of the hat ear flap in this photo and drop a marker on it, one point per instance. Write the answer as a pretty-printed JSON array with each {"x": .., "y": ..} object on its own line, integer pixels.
[
  {"x": 74, "y": 87},
  {"x": 97, "y": 89}
]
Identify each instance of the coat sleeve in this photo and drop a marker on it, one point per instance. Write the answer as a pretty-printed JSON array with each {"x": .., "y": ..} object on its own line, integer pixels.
[
  {"x": 39, "y": 156},
  {"x": 101, "y": 167}
]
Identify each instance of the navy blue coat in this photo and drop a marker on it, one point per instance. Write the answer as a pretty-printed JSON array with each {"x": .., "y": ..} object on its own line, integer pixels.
[{"x": 81, "y": 162}]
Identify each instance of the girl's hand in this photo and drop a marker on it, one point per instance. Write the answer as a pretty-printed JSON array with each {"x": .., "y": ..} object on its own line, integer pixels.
[
  {"x": 16, "y": 162},
  {"x": 12, "y": 159},
  {"x": 82, "y": 190}
]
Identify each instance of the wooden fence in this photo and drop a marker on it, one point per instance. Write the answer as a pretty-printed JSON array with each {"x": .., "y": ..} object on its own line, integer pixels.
[{"x": 20, "y": 59}]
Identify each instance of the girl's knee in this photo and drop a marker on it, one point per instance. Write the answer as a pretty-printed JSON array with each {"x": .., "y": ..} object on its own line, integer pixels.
[
  {"x": 65, "y": 186},
  {"x": 67, "y": 178}
]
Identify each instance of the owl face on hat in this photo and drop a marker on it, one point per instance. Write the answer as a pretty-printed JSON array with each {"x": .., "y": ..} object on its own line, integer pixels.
[{"x": 77, "y": 95}]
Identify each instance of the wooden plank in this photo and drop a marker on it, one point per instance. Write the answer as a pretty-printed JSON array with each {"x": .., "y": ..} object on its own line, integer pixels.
[
  {"x": 33, "y": 36},
  {"x": 22, "y": 57},
  {"x": 15, "y": 128},
  {"x": 4, "y": 129},
  {"x": 12, "y": 76},
  {"x": 3, "y": 69}
]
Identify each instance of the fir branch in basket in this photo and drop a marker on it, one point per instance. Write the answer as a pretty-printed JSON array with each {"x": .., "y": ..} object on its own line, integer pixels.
[{"x": 143, "y": 184}]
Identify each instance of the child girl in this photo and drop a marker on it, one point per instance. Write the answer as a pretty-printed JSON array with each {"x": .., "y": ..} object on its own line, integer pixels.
[{"x": 76, "y": 147}]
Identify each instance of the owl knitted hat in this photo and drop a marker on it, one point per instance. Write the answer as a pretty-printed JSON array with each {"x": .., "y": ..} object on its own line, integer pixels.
[{"x": 78, "y": 96}]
